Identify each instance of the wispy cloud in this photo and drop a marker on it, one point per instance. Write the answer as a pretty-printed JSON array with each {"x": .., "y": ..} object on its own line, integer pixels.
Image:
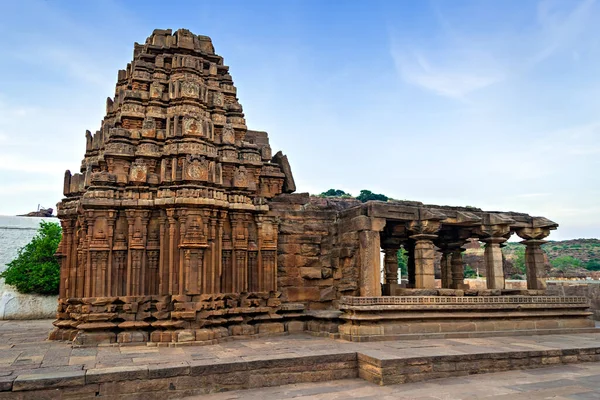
[{"x": 457, "y": 64}]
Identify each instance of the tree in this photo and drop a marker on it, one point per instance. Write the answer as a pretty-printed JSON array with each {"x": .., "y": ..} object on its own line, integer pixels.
[
  {"x": 402, "y": 257},
  {"x": 470, "y": 272},
  {"x": 566, "y": 262},
  {"x": 519, "y": 260},
  {"x": 35, "y": 269},
  {"x": 334, "y": 193},
  {"x": 366, "y": 195},
  {"x": 593, "y": 265}
]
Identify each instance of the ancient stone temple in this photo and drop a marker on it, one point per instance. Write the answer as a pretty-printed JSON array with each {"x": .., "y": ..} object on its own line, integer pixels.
[
  {"x": 171, "y": 198},
  {"x": 181, "y": 226}
]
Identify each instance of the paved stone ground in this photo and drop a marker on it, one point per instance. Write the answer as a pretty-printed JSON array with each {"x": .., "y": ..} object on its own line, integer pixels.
[
  {"x": 573, "y": 382},
  {"x": 25, "y": 350}
]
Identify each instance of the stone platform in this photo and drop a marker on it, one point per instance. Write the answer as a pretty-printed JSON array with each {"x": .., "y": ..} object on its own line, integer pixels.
[
  {"x": 417, "y": 317},
  {"x": 32, "y": 367},
  {"x": 561, "y": 382}
]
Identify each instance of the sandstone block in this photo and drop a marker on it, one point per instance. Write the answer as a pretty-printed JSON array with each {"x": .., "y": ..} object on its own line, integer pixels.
[
  {"x": 114, "y": 374},
  {"x": 327, "y": 294},
  {"x": 241, "y": 330},
  {"x": 270, "y": 327},
  {"x": 302, "y": 293},
  {"x": 168, "y": 370},
  {"x": 48, "y": 380},
  {"x": 186, "y": 336},
  {"x": 310, "y": 272},
  {"x": 132, "y": 337},
  {"x": 295, "y": 326},
  {"x": 94, "y": 338},
  {"x": 204, "y": 334}
]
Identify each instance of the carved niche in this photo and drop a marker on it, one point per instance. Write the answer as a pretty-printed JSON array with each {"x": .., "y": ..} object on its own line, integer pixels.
[
  {"x": 196, "y": 168},
  {"x": 192, "y": 127},
  {"x": 138, "y": 172},
  {"x": 240, "y": 177},
  {"x": 190, "y": 89},
  {"x": 149, "y": 128},
  {"x": 228, "y": 134},
  {"x": 156, "y": 90}
]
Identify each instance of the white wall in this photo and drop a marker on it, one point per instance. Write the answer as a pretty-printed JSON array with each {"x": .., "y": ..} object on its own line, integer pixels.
[{"x": 16, "y": 232}]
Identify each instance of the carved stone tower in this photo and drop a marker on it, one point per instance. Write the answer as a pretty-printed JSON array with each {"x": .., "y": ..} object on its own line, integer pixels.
[{"x": 171, "y": 200}]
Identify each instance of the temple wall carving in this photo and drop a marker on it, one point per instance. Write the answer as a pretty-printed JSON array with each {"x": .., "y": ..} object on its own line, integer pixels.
[{"x": 170, "y": 199}]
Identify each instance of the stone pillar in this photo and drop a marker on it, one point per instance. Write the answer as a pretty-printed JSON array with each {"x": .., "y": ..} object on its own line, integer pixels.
[
  {"x": 446, "y": 268},
  {"x": 390, "y": 270},
  {"x": 390, "y": 261},
  {"x": 410, "y": 263},
  {"x": 424, "y": 255},
  {"x": 170, "y": 259},
  {"x": 458, "y": 269},
  {"x": 369, "y": 280},
  {"x": 494, "y": 272},
  {"x": 534, "y": 263}
]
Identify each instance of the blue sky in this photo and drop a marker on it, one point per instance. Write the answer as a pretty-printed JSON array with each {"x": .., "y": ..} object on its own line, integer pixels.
[{"x": 487, "y": 103}]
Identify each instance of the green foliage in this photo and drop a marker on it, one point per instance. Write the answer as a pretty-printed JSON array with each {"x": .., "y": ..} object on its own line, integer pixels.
[
  {"x": 335, "y": 193},
  {"x": 366, "y": 195},
  {"x": 519, "y": 260},
  {"x": 402, "y": 257},
  {"x": 36, "y": 270},
  {"x": 470, "y": 272},
  {"x": 566, "y": 262},
  {"x": 592, "y": 265}
]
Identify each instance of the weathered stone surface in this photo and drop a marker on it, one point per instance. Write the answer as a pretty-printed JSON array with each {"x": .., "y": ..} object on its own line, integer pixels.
[
  {"x": 172, "y": 171},
  {"x": 28, "y": 382},
  {"x": 114, "y": 374}
]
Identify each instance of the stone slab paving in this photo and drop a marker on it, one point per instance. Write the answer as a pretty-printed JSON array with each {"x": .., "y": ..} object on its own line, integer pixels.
[
  {"x": 573, "y": 382},
  {"x": 28, "y": 361}
]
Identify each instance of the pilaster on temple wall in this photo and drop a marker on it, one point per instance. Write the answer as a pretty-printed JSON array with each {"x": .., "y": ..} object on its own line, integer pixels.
[{"x": 171, "y": 197}]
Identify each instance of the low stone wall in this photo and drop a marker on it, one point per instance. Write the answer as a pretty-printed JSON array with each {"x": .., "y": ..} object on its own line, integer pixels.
[
  {"x": 588, "y": 289},
  {"x": 15, "y": 305},
  {"x": 383, "y": 371},
  {"x": 16, "y": 232}
]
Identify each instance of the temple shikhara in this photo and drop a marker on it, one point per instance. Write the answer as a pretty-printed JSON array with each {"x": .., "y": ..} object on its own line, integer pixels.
[{"x": 182, "y": 226}]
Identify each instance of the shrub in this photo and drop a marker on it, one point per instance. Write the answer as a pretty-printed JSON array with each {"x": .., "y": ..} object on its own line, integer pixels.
[
  {"x": 593, "y": 265},
  {"x": 366, "y": 195},
  {"x": 470, "y": 273},
  {"x": 566, "y": 262},
  {"x": 402, "y": 258},
  {"x": 36, "y": 270}
]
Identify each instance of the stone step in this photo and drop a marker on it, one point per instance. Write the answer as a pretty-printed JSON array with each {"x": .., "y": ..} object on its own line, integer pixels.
[{"x": 185, "y": 378}]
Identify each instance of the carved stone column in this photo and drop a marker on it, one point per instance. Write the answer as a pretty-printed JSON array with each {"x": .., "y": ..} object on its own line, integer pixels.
[
  {"x": 446, "y": 268},
  {"x": 390, "y": 246},
  {"x": 370, "y": 260},
  {"x": 458, "y": 269},
  {"x": 390, "y": 262},
  {"x": 534, "y": 263},
  {"x": 425, "y": 231},
  {"x": 534, "y": 255},
  {"x": 494, "y": 272},
  {"x": 172, "y": 285},
  {"x": 390, "y": 270},
  {"x": 163, "y": 256},
  {"x": 410, "y": 263},
  {"x": 424, "y": 261}
]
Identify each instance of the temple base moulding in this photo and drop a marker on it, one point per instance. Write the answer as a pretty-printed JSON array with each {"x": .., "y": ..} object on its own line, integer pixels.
[{"x": 421, "y": 317}]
